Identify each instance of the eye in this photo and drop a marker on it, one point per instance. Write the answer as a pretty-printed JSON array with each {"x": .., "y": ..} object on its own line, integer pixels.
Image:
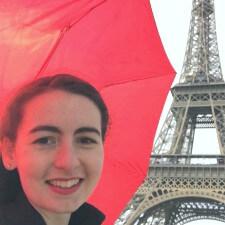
[
  {"x": 45, "y": 141},
  {"x": 86, "y": 140}
]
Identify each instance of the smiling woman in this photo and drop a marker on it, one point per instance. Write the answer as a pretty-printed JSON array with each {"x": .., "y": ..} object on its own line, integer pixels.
[{"x": 52, "y": 135}]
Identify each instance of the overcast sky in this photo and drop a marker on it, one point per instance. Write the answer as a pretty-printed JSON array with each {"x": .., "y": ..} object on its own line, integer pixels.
[{"x": 173, "y": 19}]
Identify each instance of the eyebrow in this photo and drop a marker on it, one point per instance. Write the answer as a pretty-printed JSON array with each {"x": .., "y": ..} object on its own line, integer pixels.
[
  {"x": 46, "y": 128},
  {"x": 57, "y": 130},
  {"x": 87, "y": 129}
]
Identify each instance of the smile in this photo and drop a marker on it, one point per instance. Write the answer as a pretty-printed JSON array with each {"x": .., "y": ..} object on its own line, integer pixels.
[
  {"x": 64, "y": 183},
  {"x": 64, "y": 186}
]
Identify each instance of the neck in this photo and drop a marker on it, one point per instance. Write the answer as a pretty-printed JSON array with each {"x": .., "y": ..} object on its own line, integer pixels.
[{"x": 55, "y": 218}]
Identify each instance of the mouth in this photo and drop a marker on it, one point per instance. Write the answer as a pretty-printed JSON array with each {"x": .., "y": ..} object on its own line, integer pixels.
[
  {"x": 64, "y": 183},
  {"x": 64, "y": 186}
]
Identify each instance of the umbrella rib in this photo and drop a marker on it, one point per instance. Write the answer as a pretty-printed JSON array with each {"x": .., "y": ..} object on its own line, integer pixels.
[
  {"x": 51, "y": 52},
  {"x": 133, "y": 80}
]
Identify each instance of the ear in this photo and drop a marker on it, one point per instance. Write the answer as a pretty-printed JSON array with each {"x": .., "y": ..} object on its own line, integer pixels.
[{"x": 8, "y": 154}]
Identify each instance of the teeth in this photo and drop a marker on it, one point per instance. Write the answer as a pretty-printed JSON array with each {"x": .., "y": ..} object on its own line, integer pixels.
[{"x": 64, "y": 184}]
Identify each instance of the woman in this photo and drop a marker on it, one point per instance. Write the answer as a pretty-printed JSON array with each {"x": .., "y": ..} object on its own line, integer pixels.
[{"x": 52, "y": 137}]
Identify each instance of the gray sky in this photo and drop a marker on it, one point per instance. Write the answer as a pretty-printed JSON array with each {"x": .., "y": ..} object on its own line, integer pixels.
[{"x": 173, "y": 18}]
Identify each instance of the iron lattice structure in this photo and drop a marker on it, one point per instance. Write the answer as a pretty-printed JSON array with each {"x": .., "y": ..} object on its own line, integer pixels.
[{"x": 181, "y": 187}]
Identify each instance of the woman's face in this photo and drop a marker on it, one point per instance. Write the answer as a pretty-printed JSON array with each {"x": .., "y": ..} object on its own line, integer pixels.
[{"x": 59, "y": 151}]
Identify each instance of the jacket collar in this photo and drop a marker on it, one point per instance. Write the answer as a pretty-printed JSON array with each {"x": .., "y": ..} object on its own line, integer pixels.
[{"x": 21, "y": 212}]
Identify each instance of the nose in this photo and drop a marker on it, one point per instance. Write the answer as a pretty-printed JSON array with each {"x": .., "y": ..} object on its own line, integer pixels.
[{"x": 66, "y": 158}]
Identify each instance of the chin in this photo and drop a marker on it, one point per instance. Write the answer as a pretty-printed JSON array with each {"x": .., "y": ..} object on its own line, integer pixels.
[{"x": 69, "y": 207}]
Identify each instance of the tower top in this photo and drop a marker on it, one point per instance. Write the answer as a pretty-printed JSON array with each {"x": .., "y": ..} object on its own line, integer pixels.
[{"x": 201, "y": 62}]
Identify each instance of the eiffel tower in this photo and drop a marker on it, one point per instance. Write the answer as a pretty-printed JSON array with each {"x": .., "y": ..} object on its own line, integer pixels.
[{"x": 180, "y": 186}]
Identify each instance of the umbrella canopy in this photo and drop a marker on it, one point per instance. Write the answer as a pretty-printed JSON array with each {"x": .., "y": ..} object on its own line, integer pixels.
[{"x": 115, "y": 45}]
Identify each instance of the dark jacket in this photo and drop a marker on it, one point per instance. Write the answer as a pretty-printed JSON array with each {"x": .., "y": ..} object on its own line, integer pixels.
[{"x": 20, "y": 212}]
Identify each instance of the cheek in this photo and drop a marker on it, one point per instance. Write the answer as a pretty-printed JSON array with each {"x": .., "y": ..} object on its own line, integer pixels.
[
  {"x": 29, "y": 164},
  {"x": 29, "y": 169},
  {"x": 94, "y": 163}
]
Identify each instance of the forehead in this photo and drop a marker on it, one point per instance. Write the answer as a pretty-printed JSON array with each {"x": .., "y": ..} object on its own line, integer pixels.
[{"x": 61, "y": 109}]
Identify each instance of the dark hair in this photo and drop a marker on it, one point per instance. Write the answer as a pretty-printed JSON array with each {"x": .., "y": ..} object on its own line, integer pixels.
[
  {"x": 10, "y": 121},
  {"x": 14, "y": 111}
]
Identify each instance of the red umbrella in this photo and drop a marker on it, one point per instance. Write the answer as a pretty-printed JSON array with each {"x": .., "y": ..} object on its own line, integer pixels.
[{"x": 114, "y": 44}]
